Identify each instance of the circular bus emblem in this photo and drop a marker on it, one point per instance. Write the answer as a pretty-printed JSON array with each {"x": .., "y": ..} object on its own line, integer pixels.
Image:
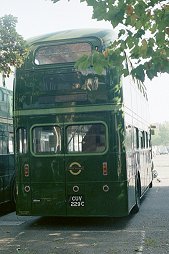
[{"x": 75, "y": 168}]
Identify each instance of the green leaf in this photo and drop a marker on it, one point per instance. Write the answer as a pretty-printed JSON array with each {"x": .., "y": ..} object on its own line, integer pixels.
[
  {"x": 83, "y": 63},
  {"x": 139, "y": 33},
  {"x": 121, "y": 32},
  {"x": 138, "y": 73},
  {"x": 99, "y": 11}
]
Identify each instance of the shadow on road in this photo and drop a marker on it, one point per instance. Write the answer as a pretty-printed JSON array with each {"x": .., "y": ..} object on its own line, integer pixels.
[
  {"x": 81, "y": 224},
  {"x": 6, "y": 208}
]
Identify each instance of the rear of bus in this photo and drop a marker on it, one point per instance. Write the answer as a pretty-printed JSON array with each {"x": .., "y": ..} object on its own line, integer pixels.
[{"x": 68, "y": 129}]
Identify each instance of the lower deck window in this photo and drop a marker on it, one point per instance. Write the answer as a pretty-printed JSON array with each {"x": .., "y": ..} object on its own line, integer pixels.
[
  {"x": 3, "y": 142},
  {"x": 21, "y": 138},
  {"x": 46, "y": 139},
  {"x": 86, "y": 138}
]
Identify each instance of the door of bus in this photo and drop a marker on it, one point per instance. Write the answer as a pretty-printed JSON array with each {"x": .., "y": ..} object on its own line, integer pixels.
[{"x": 88, "y": 191}]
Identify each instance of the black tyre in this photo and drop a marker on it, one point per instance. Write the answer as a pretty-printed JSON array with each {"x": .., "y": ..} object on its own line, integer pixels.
[
  {"x": 151, "y": 185},
  {"x": 137, "y": 196},
  {"x": 13, "y": 193}
]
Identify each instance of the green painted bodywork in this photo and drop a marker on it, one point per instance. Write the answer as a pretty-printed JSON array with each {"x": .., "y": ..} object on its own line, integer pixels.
[{"x": 50, "y": 180}]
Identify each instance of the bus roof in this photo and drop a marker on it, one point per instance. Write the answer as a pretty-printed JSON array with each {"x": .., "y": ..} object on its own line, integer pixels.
[{"x": 106, "y": 35}]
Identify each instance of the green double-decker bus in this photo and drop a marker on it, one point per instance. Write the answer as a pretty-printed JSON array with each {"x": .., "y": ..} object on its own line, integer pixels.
[
  {"x": 83, "y": 143},
  {"x": 7, "y": 168}
]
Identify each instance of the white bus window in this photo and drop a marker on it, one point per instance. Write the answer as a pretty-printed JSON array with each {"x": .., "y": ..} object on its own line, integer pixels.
[
  {"x": 136, "y": 138},
  {"x": 11, "y": 143},
  {"x": 3, "y": 143},
  {"x": 46, "y": 139},
  {"x": 21, "y": 140},
  {"x": 86, "y": 138},
  {"x": 62, "y": 53}
]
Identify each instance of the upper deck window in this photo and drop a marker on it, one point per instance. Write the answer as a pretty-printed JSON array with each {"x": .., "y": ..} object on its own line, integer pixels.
[{"x": 62, "y": 53}]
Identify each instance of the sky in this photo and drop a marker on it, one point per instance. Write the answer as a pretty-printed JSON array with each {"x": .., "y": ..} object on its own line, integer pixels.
[{"x": 36, "y": 17}]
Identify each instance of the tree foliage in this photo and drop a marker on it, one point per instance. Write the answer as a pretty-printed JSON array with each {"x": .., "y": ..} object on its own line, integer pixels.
[
  {"x": 143, "y": 33},
  {"x": 12, "y": 46}
]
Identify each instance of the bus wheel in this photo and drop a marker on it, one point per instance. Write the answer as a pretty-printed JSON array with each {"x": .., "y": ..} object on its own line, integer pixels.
[
  {"x": 13, "y": 193},
  {"x": 137, "y": 196},
  {"x": 151, "y": 185}
]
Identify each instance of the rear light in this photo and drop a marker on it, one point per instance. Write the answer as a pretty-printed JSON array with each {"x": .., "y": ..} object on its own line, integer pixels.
[
  {"x": 105, "y": 170},
  {"x": 26, "y": 170}
]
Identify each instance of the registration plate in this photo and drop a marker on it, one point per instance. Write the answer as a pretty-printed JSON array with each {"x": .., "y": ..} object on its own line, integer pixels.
[{"x": 76, "y": 201}]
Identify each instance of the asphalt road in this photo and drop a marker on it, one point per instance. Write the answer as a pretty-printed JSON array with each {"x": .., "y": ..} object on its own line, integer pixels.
[{"x": 145, "y": 232}]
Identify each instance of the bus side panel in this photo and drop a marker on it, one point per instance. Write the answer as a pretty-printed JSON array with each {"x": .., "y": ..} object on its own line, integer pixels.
[
  {"x": 23, "y": 199},
  {"x": 47, "y": 185},
  {"x": 41, "y": 199},
  {"x": 23, "y": 194},
  {"x": 48, "y": 199},
  {"x": 42, "y": 191}
]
